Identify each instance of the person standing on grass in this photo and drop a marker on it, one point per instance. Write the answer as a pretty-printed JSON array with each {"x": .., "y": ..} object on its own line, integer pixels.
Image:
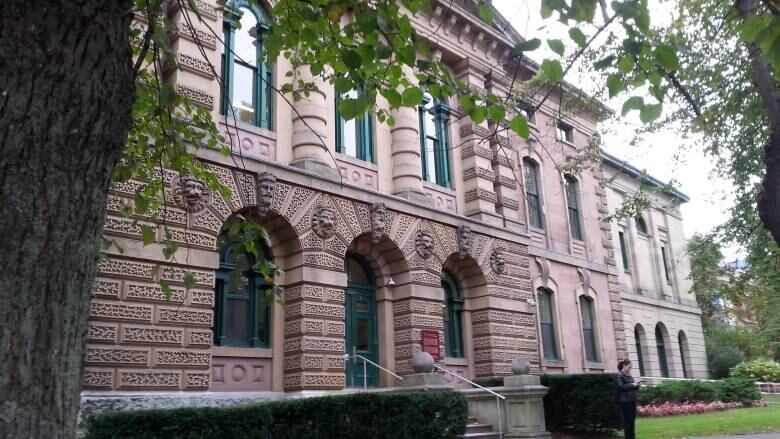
[{"x": 627, "y": 389}]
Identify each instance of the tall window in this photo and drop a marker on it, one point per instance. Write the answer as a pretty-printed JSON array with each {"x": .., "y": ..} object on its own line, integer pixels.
[
  {"x": 572, "y": 200},
  {"x": 242, "y": 314},
  {"x": 355, "y": 137},
  {"x": 666, "y": 265},
  {"x": 434, "y": 141},
  {"x": 247, "y": 93},
  {"x": 623, "y": 250},
  {"x": 660, "y": 345},
  {"x": 547, "y": 323},
  {"x": 527, "y": 110},
  {"x": 588, "y": 329},
  {"x": 533, "y": 194},
  {"x": 641, "y": 225},
  {"x": 453, "y": 325},
  {"x": 683, "y": 342},
  {"x": 638, "y": 332},
  {"x": 564, "y": 132}
]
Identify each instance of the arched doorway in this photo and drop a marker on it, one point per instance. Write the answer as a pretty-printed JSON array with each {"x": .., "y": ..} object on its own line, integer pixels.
[
  {"x": 660, "y": 343},
  {"x": 361, "y": 327}
]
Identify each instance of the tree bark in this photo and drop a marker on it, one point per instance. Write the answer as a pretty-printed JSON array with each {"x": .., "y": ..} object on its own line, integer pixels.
[
  {"x": 66, "y": 94},
  {"x": 769, "y": 200}
]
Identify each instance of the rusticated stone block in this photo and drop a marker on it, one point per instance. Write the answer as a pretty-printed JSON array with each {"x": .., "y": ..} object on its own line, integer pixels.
[
  {"x": 182, "y": 358},
  {"x": 122, "y": 268},
  {"x": 197, "y": 380},
  {"x": 153, "y": 292},
  {"x": 152, "y": 335},
  {"x": 106, "y": 288},
  {"x": 303, "y": 380},
  {"x": 199, "y": 338},
  {"x": 137, "y": 357},
  {"x": 120, "y": 311},
  {"x": 95, "y": 377},
  {"x": 149, "y": 378},
  {"x": 176, "y": 274},
  {"x": 314, "y": 309},
  {"x": 102, "y": 332},
  {"x": 202, "y": 298},
  {"x": 185, "y": 316}
]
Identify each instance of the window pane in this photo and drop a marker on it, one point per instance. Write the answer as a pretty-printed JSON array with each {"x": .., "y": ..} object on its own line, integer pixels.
[
  {"x": 587, "y": 313},
  {"x": 590, "y": 345},
  {"x": 430, "y": 124},
  {"x": 545, "y": 308},
  {"x": 548, "y": 341},
  {"x": 430, "y": 158},
  {"x": 623, "y": 250},
  {"x": 262, "y": 318},
  {"x": 245, "y": 45},
  {"x": 243, "y": 98},
  {"x": 356, "y": 273},
  {"x": 362, "y": 335},
  {"x": 237, "y": 321},
  {"x": 349, "y": 138},
  {"x": 638, "y": 342},
  {"x": 530, "y": 177}
]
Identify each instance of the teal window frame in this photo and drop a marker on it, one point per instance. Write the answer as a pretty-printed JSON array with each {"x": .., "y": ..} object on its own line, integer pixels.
[
  {"x": 258, "y": 313},
  {"x": 623, "y": 250},
  {"x": 547, "y": 324},
  {"x": 441, "y": 139},
  {"x": 533, "y": 194},
  {"x": 589, "y": 329},
  {"x": 263, "y": 77},
  {"x": 453, "y": 318},
  {"x": 364, "y": 134},
  {"x": 660, "y": 344},
  {"x": 573, "y": 207}
]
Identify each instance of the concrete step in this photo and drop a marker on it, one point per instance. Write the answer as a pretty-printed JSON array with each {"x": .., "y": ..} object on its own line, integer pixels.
[
  {"x": 488, "y": 435},
  {"x": 475, "y": 430},
  {"x": 478, "y": 428}
]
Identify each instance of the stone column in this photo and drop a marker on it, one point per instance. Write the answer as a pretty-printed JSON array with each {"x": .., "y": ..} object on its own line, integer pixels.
[
  {"x": 309, "y": 137},
  {"x": 407, "y": 162}
]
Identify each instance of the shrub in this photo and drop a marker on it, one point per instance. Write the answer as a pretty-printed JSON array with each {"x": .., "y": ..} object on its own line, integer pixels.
[
  {"x": 741, "y": 390},
  {"x": 439, "y": 414},
  {"x": 582, "y": 403},
  {"x": 729, "y": 390},
  {"x": 761, "y": 369},
  {"x": 721, "y": 359}
]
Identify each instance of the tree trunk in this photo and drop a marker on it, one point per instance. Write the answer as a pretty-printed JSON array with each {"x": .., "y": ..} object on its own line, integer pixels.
[{"x": 66, "y": 93}]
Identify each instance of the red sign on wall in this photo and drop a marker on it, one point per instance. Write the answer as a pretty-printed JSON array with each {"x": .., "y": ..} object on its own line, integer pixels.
[{"x": 430, "y": 343}]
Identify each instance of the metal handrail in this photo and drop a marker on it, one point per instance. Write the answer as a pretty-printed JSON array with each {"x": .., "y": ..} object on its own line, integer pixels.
[
  {"x": 498, "y": 403},
  {"x": 366, "y": 360}
]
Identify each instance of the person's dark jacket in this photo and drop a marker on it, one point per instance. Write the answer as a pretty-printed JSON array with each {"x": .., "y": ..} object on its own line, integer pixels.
[{"x": 626, "y": 388}]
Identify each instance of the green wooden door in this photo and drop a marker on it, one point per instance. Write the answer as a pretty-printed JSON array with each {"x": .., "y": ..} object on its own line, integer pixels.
[{"x": 361, "y": 332}]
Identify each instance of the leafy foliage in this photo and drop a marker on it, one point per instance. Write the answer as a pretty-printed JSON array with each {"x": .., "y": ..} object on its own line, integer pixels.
[
  {"x": 728, "y": 390},
  {"x": 411, "y": 415},
  {"x": 581, "y": 403},
  {"x": 760, "y": 369}
]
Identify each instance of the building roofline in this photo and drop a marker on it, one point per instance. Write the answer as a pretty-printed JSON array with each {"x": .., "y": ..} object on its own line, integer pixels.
[{"x": 624, "y": 166}]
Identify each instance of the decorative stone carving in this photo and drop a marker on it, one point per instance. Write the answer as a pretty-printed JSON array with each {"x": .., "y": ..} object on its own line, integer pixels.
[
  {"x": 266, "y": 189},
  {"x": 498, "y": 261},
  {"x": 323, "y": 222},
  {"x": 377, "y": 215},
  {"x": 191, "y": 194},
  {"x": 424, "y": 244},
  {"x": 465, "y": 239}
]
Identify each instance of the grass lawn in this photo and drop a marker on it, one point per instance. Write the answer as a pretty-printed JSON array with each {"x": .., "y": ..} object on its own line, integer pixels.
[{"x": 752, "y": 420}]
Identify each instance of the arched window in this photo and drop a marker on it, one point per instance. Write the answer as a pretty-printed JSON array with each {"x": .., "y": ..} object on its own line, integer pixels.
[
  {"x": 641, "y": 225},
  {"x": 355, "y": 137},
  {"x": 242, "y": 308},
  {"x": 638, "y": 334},
  {"x": 682, "y": 340},
  {"x": 547, "y": 324},
  {"x": 660, "y": 344},
  {"x": 435, "y": 141},
  {"x": 533, "y": 194},
  {"x": 453, "y": 322},
  {"x": 588, "y": 329},
  {"x": 573, "y": 203},
  {"x": 247, "y": 76}
]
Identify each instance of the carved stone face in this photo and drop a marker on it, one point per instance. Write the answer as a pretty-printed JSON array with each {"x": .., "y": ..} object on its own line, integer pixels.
[
  {"x": 323, "y": 222},
  {"x": 465, "y": 238},
  {"x": 424, "y": 245},
  {"x": 266, "y": 188},
  {"x": 377, "y": 215},
  {"x": 498, "y": 261},
  {"x": 191, "y": 194}
]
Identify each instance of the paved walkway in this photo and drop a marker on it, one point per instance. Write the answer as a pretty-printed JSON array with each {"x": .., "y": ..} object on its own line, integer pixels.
[{"x": 746, "y": 436}]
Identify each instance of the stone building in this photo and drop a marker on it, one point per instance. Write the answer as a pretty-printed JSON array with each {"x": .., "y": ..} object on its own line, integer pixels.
[
  {"x": 661, "y": 315},
  {"x": 386, "y": 237}
]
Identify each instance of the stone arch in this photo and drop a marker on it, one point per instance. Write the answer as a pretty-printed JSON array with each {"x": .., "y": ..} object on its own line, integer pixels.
[
  {"x": 641, "y": 347},
  {"x": 467, "y": 274},
  {"x": 385, "y": 258},
  {"x": 685, "y": 354}
]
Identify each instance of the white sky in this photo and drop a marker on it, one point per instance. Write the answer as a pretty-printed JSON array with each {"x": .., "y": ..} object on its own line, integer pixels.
[{"x": 691, "y": 171}]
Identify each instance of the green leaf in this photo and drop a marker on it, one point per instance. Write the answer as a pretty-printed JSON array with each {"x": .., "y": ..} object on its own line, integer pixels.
[
  {"x": 666, "y": 57},
  {"x": 633, "y": 103},
  {"x": 615, "y": 85},
  {"x": 626, "y": 64},
  {"x": 546, "y": 10},
  {"x": 556, "y": 46},
  {"x": 468, "y": 103},
  {"x": 478, "y": 115},
  {"x": 650, "y": 113},
  {"x": 578, "y": 37},
  {"x": 583, "y": 10},
  {"x": 497, "y": 113},
  {"x": 342, "y": 85},
  {"x": 603, "y": 63},
  {"x": 552, "y": 70},
  {"x": 412, "y": 96},
  {"x": 393, "y": 97},
  {"x": 485, "y": 12},
  {"x": 520, "y": 126},
  {"x": 752, "y": 27},
  {"x": 189, "y": 280},
  {"x": 528, "y": 45},
  {"x": 166, "y": 289},
  {"x": 148, "y": 234},
  {"x": 351, "y": 58}
]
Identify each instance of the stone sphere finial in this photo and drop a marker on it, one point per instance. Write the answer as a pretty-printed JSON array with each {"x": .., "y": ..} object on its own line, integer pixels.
[
  {"x": 422, "y": 362},
  {"x": 521, "y": 366}
]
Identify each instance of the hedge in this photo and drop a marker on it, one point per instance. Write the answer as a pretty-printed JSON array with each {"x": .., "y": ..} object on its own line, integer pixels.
[
  {"x": 583, "y": 403},
  {"x": 760, "y": 369},
  {"x": 434, "y": 414},
  {"x": 729, "y": 390}
]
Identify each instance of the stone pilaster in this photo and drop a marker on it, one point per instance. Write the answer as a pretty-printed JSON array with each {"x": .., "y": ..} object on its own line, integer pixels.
[
  {"x": 405, "y": 150},
  {"x": 411, "y": 316}
]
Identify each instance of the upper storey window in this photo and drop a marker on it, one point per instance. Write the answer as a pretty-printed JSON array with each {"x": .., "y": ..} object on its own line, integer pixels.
[
  {"x": 435, "y": 141},
  {"x": 247, "y": 77},
  {"x": 527, "y": 111},
  {"x": 641, "y": 225},
  {"x": 532, "y": 193},
  {"x": 564, "y": 132},
  {"x": 355, "y": 137},
  {"x": 573, "y": 203}
]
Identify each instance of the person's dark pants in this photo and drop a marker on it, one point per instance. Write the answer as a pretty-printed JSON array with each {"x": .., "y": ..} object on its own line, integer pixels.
[{"x": 628, "y": 409}]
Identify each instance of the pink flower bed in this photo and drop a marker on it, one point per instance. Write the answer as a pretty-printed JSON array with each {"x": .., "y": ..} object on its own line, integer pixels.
[{"x": 685, "y": 408}]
